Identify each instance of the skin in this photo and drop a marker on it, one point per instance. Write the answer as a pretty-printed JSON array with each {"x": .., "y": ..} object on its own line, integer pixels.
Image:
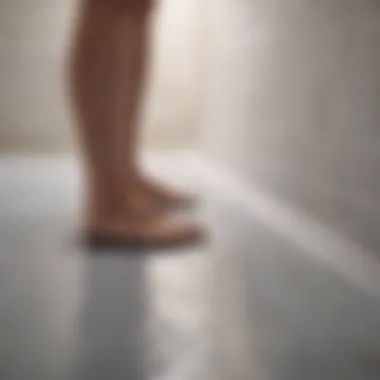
[{"x": 107, "y": 70}]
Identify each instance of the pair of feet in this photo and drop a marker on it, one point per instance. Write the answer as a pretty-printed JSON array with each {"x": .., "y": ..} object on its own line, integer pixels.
[{"x": 145, "y": 220}]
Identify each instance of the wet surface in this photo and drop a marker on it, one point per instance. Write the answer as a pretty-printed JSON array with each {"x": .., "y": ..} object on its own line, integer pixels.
[{"x": 251, "y": 305}]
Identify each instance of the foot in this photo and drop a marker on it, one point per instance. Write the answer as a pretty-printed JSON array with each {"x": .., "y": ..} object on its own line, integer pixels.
[
  {"x": 132, "y": 206},
  {"x": 161, "y": 195},
  {"x": 153, "y": 234}
]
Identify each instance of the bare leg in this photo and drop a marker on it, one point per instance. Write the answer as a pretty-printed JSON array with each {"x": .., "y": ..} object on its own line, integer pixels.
[
  {"x": 133, "y": 47},
  {"x": 97, "y": 70}
]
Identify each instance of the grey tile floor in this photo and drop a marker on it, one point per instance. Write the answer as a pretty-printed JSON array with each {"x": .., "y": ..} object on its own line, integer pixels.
[{"x": 250, "y": 306}]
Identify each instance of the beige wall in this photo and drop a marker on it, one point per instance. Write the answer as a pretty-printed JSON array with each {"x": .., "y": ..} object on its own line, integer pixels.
[
  {"x": 33, "y": 112},
  {"x": 32, "y": 34},
  {"x": 172, "y": 111},
  {"x": 293, "y": 105}
]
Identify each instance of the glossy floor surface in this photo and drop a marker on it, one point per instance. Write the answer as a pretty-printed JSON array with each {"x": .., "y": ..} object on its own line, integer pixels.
[{"x": 251, "y": 305}]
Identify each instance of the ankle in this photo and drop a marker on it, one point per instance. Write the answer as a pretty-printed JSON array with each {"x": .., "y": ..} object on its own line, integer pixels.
[{"x": 101, "y": 201}]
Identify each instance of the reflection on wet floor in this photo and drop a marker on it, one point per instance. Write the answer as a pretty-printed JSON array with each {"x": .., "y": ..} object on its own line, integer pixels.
[
  {"x": 251, "y": 305},
  {"x": 69, "y": 314}
]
